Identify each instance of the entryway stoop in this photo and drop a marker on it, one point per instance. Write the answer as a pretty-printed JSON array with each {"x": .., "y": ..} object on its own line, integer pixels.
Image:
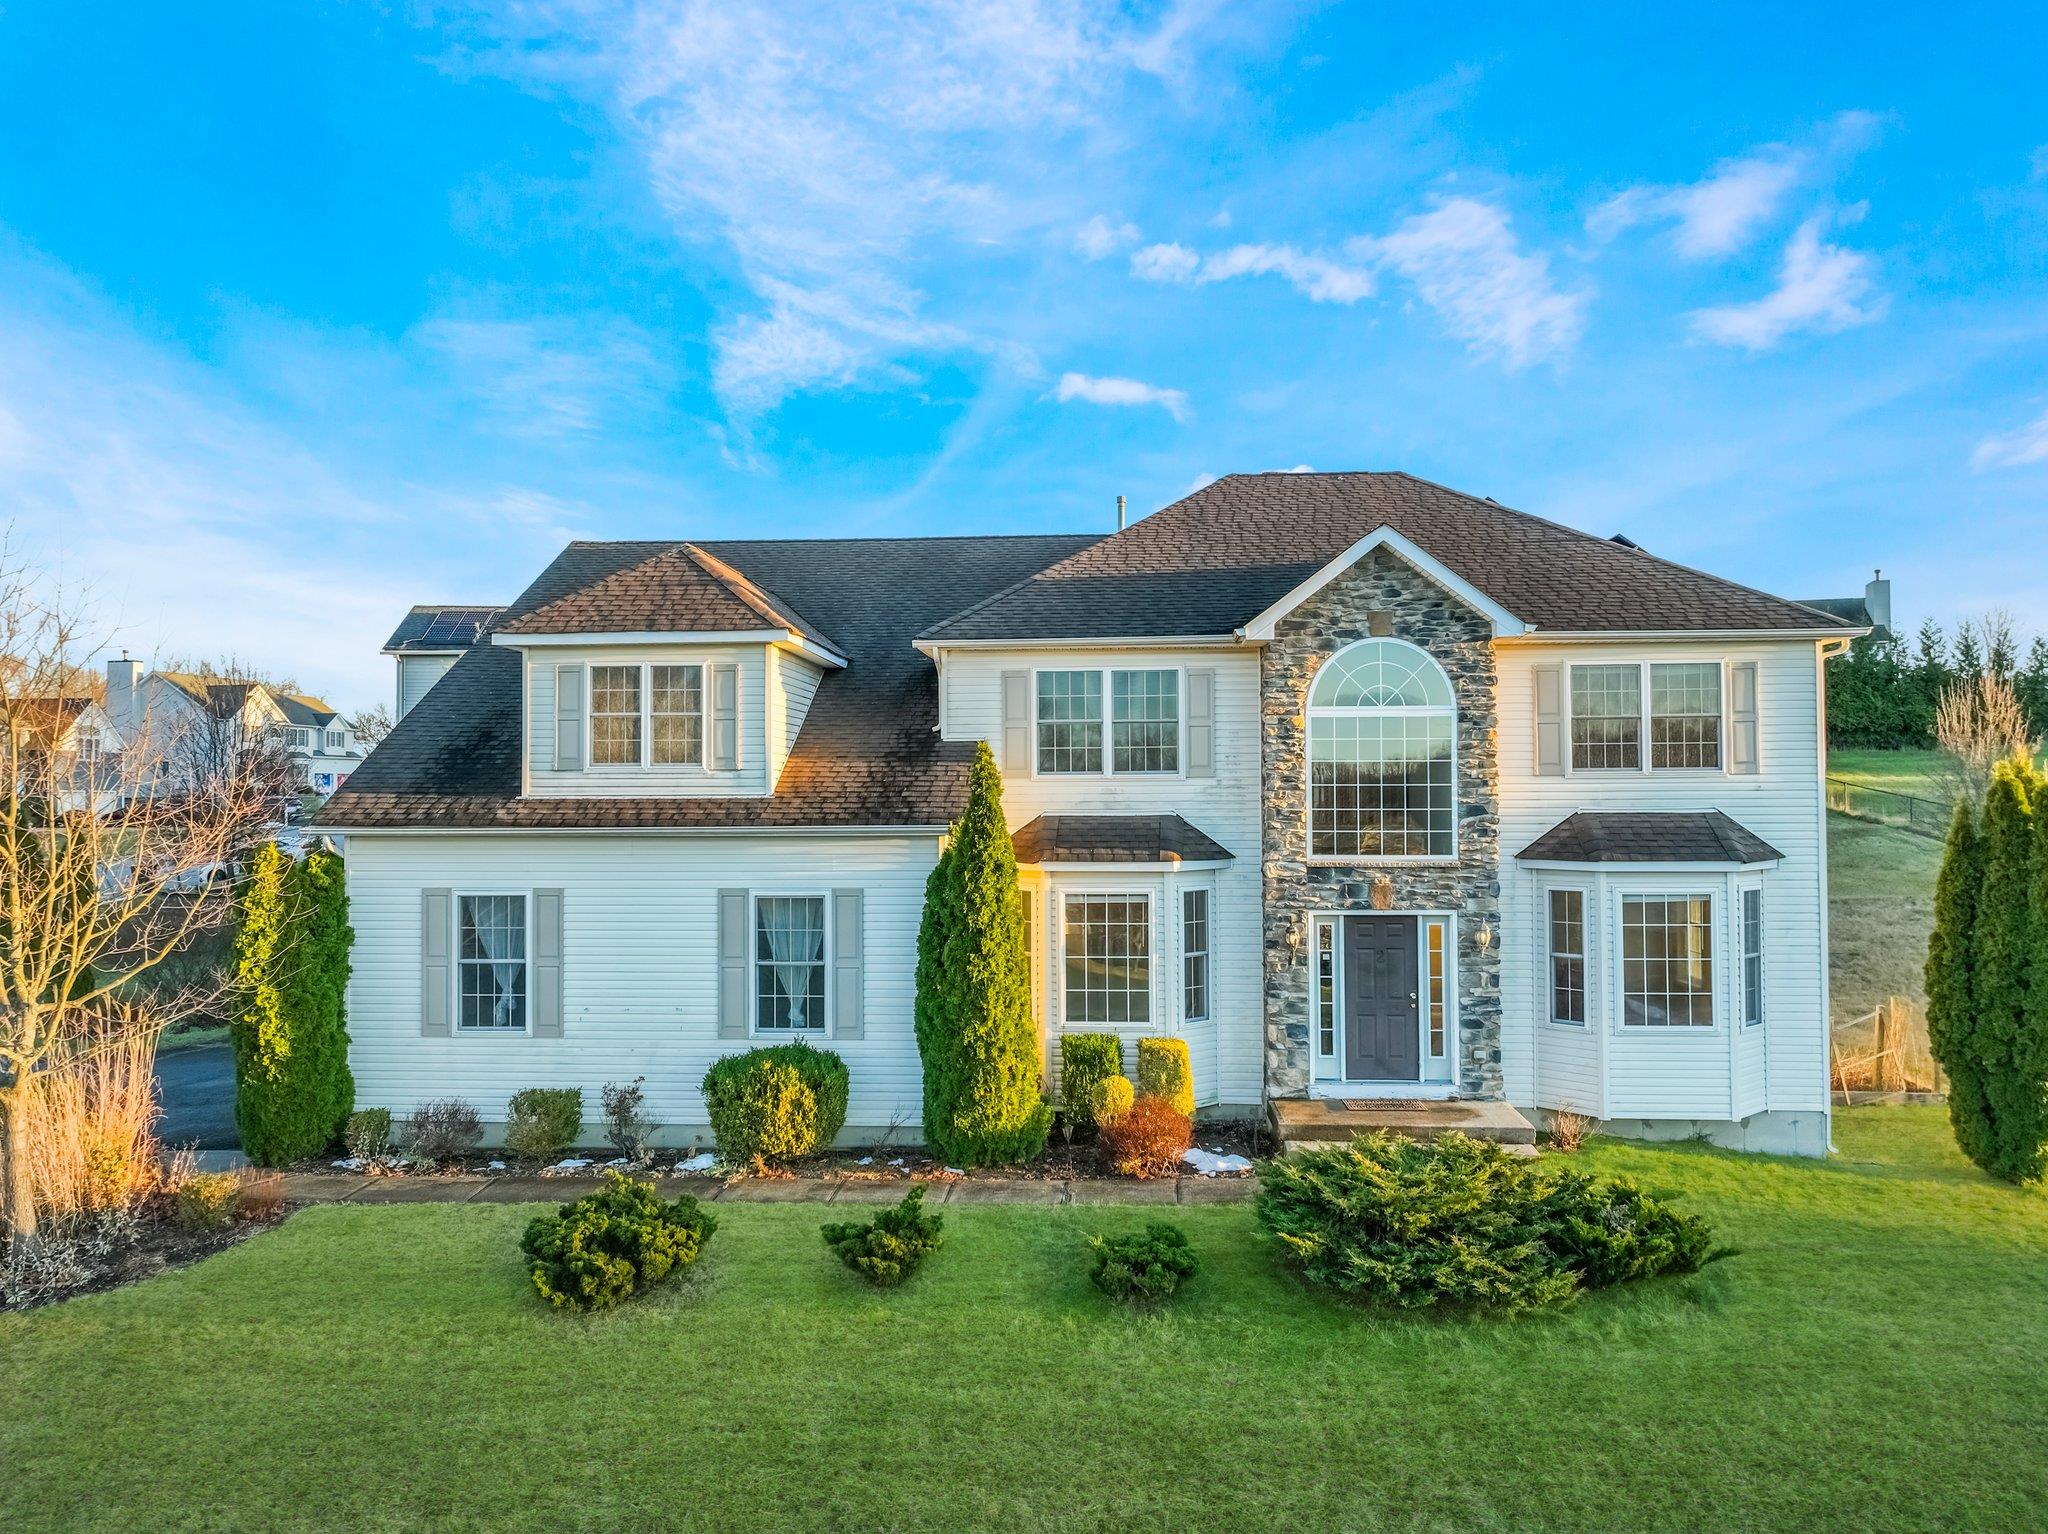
[{"x": 1307, "y": 1123}]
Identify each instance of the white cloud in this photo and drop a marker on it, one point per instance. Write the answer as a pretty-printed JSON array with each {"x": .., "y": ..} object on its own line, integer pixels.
[
  {"x": 1821, "y": 287},
  {"x": 550, "y": 376},
  {"x": 1464, "y": 261},
  {"x": 1317, "y": 278},
  {"x": 838, "y": 152},
  {"x": 1121, "y": 391},
  {"x": 1729, "y": 206},
  {"x": 1099, "y": 239},
  {"x": 2014, "y": 449}
]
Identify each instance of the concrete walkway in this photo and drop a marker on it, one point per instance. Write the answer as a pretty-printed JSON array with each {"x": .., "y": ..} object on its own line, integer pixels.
[{"x": 346, "y": 1188}]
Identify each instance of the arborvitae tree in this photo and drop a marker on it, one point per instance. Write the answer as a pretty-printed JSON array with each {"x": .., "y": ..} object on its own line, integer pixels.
[
  {"x": 293, "y": 1089},
  {"x": 983, "y": 1098},
  {"x": 1951, "y": 999},
  {"x": 2001, "y": 956},
  {"x": 2022, "y": 1101}
]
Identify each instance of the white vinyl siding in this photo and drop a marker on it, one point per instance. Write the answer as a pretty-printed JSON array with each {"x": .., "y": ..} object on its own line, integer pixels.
[
  {"x": 639, "y": 970},
  {"x": 416, "y": 676},
  {"x": 653, "y": 780},
  {"x": 1684, "y": 1073},
  {"x": 1228, "y": 1049}
]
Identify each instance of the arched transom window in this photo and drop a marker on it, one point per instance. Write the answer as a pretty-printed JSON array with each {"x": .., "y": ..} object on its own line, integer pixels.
[{"x": 1382, "y": 731}]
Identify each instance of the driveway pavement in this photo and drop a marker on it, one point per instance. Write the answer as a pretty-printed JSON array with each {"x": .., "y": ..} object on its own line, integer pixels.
[{"x": 196, "y": 1088}]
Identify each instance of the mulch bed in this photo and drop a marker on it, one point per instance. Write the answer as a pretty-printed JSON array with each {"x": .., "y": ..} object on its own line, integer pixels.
[
  {"x": 157, "y": 1246},
  {"x": 1062, "y": 1160}
]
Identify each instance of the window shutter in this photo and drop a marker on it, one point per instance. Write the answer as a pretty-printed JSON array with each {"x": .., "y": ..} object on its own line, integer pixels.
[
  {"x": 725, "y": 718},
  {"x": 1742, "y": 741},
  {"x": 1202, "y": 724},
  {"x": 732, "y": 964},
  {"x": 544, "y": 1001},
  {"x": 436, "y": 928},
  {"x": 1017, "y": 722},
  {"x": 569, "y": 718},
  {"x": 1549, "y": 721},
  {"x": 847, "y": 1022}
]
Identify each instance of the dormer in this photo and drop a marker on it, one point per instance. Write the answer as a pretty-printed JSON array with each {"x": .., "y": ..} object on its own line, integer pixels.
[{"x": 674, "y": 676}]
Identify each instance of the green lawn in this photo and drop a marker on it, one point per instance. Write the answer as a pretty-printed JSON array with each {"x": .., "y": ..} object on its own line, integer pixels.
[
  {"x": 1880, "y": 910},
  {"x": 1871, "y": 1361},
  {"x": 1902, "y": 772}
]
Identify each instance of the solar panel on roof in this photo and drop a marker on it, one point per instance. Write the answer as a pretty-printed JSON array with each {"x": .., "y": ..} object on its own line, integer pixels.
[{"x": 458, "y": 626}]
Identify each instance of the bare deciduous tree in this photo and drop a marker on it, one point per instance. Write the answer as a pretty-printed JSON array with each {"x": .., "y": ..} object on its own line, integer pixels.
[
  {"x": 1979, "y": 723},
  {"x": 94, "y": 891},
  {"x": 372, "y": 725}
]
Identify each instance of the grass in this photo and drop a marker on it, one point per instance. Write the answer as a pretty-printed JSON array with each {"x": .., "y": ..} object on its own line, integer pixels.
[
  {"x": 174, "y": 1039},
  {"x": 1918, "y": 773},
  {"x": 1880, "y": 911},
  {"x": 1871, "y": 1360}
]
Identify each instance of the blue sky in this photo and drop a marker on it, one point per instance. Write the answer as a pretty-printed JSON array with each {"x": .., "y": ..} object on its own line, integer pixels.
[{"x": 311, "y": 311}]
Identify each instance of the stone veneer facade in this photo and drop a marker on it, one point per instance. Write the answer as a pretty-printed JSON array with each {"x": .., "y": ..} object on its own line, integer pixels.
[{"x": 1410, "y": 607}]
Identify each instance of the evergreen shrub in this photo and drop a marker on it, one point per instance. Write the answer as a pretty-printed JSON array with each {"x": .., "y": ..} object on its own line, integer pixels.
[
  {"x": 1086, "y": 1061},
  {"x": 889, "y": 1248},
  {"x": 778, "y": 1103},
  {"x": 611, "y": 1244},
  {"x": 1164, "y": 1070},
  {"x": 1147, "y": 1266},
  {"x": 542, "y": 1122}
]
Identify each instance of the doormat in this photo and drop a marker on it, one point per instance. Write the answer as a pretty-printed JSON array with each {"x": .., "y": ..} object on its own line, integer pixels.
[{"x": 1395, "y": 1104}]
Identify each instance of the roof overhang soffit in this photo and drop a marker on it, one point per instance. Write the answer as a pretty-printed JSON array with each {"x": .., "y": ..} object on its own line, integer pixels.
[{"x": 1505, "y": 624}]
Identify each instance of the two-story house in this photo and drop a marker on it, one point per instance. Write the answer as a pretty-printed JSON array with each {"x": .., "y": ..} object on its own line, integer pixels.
[
  {"x": 1370, "y": 790},
  {"x": 429, "y": 640},
  {"x": 185, "y": 724}
]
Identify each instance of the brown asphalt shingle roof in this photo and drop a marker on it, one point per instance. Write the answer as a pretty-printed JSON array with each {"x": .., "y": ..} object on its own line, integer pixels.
[
  {"x": 1213, "y": 561},
  {"x": 676, "y": 588},
  {"x": 868, "y": 754},
  {"x": 1650, "y": 836},
  {"x": 1115, "y": 839}
]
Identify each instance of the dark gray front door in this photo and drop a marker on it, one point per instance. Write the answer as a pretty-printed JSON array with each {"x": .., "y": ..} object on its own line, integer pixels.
[{"x": 1380, "y": 1020}]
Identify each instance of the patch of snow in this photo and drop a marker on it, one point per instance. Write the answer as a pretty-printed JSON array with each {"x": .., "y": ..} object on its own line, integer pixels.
[
  {"x": 865, "y": 1161},
  {"x": 618, "y": 1161},
  {"x": 703, "y": 1161},
  {"x": 350, "y": 1164},
  {"x": 495, "y": 1166},
  {"x": 953, "y": 1171},
  {"x": 1209, "y": 1163},
  {"x": 567, "y": 1168},
  {"x": 896, "y": 1161}
]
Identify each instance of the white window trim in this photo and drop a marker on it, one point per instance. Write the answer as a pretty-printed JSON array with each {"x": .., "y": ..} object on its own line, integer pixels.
[
  {"x": 1643, "y": 766},
  {"x": 457, "y": 1029},
  {"x": 1589, "y": 908},
  {"x": 754, "y": 1028},
  {"x": 1207, "y": 951},
  {"x": 646, "y": 764},
  {"x": 1423, "y": 1086},
  {"x": 1310, "y": 713},
  {"x": 1717, "y": 984},
  {"x": 1155, "y": 943},
  {"x": 1107, "y": 769},
  {"x": 1743, "y": 891}
]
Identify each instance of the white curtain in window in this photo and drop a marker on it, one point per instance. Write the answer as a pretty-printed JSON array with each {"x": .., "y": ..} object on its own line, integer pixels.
[{"x": 793, "y": 928}]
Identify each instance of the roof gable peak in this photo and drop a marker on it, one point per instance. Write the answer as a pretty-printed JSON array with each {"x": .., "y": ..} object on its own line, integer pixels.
[{"x": 1505, "y": 623}]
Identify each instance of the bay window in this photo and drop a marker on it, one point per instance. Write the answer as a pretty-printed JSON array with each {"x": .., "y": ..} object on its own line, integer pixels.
[
  {"x": 1108, "y": 968},
  {"x": 1667, "y": 961},
  {"x": 1194, "y": 955}
]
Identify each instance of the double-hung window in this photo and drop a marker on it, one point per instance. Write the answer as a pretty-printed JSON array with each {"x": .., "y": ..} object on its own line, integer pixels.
[
  {"x": 1674, "y": 705},
  {"x": 1194, "y": 955},
  {"x": 615, "y": 716},
  {"x": 491, "y": 957},
  {"x": 1568, "y": 956},
  {"x": 1108, "y": 959},
  {"x": 1108, "y": 721},
  {"x": 646, "y": 715},
  {"x": 789, "y": 963},
  {"x": 1752, "y": 957},
  {"x": 1667, "y": 961}
]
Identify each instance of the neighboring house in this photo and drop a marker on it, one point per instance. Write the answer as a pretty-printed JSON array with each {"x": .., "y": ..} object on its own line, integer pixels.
[
  {"x": 85, "y": 743},
  {"x": 1872, "y": 610},
  {"x": 427, "y": 641},
  {"x": 177, "y": 715},
  {"x": 1366, "y": 788}
]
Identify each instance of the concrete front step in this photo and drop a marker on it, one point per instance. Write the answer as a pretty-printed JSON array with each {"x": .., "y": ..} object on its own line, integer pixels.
[{"x": 1304, "y": 1123}]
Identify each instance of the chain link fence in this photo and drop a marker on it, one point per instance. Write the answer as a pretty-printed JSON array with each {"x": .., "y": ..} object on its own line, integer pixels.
[{"x": 1884, "y": 806}]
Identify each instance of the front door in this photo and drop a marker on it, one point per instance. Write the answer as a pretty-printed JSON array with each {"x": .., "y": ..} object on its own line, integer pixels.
[{"x": 1381, "y": 1041}]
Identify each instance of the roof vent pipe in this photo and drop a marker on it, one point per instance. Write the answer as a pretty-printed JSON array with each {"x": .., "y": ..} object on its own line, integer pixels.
[{"x": 1119, "y": 513}]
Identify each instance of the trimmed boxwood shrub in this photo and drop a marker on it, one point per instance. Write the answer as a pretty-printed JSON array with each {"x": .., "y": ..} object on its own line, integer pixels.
[
  {"x": 542, "y": 1122},
  {"x": 1109, "y": 1100},
  {"x": 889, "y": 1248},
  {"x": 1148, "y": 1265},
  {"x": 611, "y": 1244},
  {"x": 1086, "y": 1061},
  {"x": 1164, "y": 1070},
  {"x": 779, "y": 1103},
  {"x": 1148, "y": 1140},
  {"x": 1459, "y": 1221}
]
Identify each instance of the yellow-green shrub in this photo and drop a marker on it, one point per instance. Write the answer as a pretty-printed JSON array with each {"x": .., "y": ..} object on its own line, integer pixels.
[
  {"x": 1164, "y": 1070},
  {"x": 779, "y": 1103},
  {"x": 1110, "y": 1100},
  {"x": 206, "y": 1200},
  {"x": 1086, "y": 1061}
]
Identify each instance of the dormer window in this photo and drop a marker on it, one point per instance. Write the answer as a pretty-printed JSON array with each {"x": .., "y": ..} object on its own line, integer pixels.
[{"x": 642, "y": 715}]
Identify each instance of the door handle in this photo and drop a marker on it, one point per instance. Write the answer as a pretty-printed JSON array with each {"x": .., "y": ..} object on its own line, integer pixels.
[{"x": 1413, "y": 995}]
